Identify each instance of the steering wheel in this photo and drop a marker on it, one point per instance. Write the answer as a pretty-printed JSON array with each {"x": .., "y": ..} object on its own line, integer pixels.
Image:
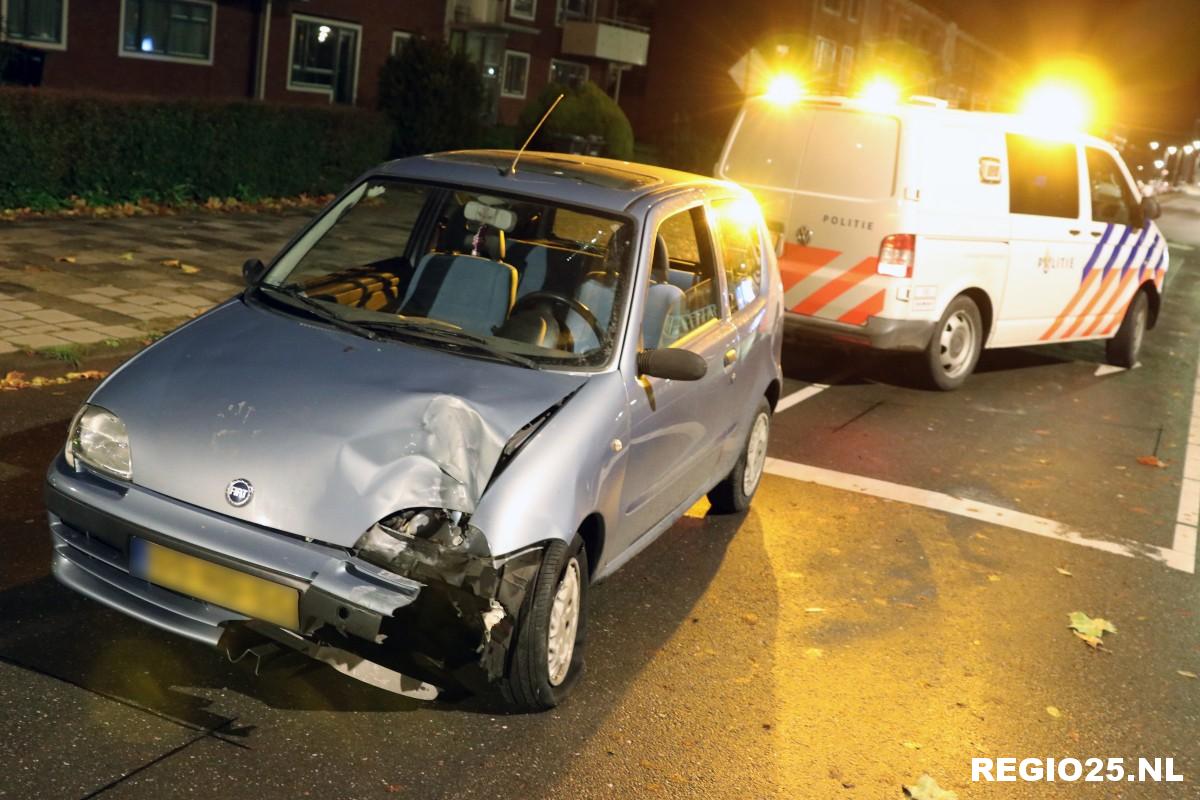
[{"x": 533, "y": 298}]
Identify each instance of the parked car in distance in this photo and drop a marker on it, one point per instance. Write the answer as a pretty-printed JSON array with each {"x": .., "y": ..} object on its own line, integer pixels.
[
  {"x": 918, "y": 228},
  {"x": 457, "y": 398}
]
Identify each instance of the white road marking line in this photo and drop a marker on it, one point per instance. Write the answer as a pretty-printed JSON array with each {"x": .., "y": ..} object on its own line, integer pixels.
[
  {"x": 1180, "y": 247},
  {"x": 1109, "y": 369},
  {"x": 984, "y": 512},
  {"x": 799, "y": 396}
]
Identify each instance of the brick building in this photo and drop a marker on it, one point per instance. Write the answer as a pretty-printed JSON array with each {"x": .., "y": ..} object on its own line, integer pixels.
[
  {"x": 320, "y": 51},
  {"x": 699, "y": 74}
]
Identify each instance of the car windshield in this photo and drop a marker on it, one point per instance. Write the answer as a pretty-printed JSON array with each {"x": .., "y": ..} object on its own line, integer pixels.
[{"x": 518, "y": 278}]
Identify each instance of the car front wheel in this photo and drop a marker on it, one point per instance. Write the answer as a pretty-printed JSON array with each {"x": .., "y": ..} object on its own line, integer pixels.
[
  {"x": 737, "y": 490},
  {"x": 546, "y": 658},
  {"x": 1123, "y": 349}
]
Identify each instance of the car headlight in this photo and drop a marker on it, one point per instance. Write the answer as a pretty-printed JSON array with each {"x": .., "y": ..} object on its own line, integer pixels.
[
  {"x": 99, "y": 439},
  {"x": 423, "y": 540}
]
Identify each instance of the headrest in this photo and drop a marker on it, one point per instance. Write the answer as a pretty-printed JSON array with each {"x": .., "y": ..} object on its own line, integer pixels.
[{"x": 660, "y": 266}]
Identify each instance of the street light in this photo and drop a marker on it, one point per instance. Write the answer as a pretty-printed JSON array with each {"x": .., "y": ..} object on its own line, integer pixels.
[
  {"x": 1154, "y": 145},
  {"x": 1172, "y": 150},
  {"x": 1159, "y": 163},
  {"x": 1187, "y": 149}
]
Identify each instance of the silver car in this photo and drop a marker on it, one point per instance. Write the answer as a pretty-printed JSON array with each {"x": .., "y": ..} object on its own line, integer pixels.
[{"x": 455, "y": 400}]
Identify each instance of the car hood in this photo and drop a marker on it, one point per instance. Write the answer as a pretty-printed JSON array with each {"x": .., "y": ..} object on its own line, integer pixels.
[{"x": 334, "y": 431}]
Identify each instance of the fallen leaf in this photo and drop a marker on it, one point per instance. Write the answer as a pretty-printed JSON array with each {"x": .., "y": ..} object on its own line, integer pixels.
[
  {"x": 911, "y": 745},
  {"x": 1054, "y": 712},
  {"x": 170, "y": 262},
  {"x": 66, "y": 259},
  {"x": 993, "y": 578},
  {"x": 126, "y": 256},
  {"x": 1091, "y": 641},
  {"x": 1151, "y": 461},
  {"x": 815, "y": 610},
  {"x": 750, "y": 618},
  {"x": 1042, "y": 432},
  {"x": 1084, "y": 624},
  {"x": 926, "y": 788},
  {"x": 188, "y": 269},
  {"x": 1062, "y": 571},
  {"x": 1186, "y": 674}
]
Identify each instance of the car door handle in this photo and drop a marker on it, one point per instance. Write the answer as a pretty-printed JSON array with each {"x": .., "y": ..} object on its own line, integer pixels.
[
  {"x": 1075, "y": 231},
  {"x": 1097, "y": 234},
  {"x": 730, "y": 357}
]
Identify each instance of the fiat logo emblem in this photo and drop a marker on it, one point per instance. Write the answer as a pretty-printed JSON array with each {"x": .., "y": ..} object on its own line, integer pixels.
[{"x": 238, "y": 492}]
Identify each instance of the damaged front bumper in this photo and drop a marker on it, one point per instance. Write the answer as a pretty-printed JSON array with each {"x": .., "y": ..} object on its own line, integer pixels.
[{"x": 445, "y": 626}]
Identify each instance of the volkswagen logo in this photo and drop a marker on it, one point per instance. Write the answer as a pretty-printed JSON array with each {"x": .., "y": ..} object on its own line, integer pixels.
[
  {"x": 238, "y": 492},
  {"x": 804, "y": 234}
]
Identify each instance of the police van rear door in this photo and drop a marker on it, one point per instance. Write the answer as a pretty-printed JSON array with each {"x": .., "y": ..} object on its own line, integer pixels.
[{"x": 826, "y": 176}]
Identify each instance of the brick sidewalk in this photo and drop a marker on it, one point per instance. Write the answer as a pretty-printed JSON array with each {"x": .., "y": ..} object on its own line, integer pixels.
[{"x": 68, "y": 286}]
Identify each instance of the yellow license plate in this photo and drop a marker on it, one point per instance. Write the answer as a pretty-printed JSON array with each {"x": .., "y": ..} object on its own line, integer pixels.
[{"x": 216, "y": 584}]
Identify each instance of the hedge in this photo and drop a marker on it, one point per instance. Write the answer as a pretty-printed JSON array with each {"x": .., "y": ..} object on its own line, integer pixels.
[
  {"x": 115, "y": 149},
  {"x": 585, "y": 110}
]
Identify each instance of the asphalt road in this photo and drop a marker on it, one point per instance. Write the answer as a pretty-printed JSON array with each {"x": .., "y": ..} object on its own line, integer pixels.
[{"x": 829, "y": 643}]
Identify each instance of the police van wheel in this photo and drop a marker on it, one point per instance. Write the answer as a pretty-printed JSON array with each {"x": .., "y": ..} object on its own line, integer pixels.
[
  {"x": 1122, "y": 350},
  {"x": 953, "y": 350}
]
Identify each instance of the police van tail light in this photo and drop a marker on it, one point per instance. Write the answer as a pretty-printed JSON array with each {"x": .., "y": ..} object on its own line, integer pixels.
[{"x": 897, "y": 252}]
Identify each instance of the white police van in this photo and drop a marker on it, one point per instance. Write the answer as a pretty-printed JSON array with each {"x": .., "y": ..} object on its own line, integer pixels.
[{"x": 924, "y": 229}]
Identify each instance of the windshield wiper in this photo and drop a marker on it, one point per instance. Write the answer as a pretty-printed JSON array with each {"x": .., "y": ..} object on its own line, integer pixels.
[
  {"x": 449, "y": 336},
  {"x": 316, "y": 308}
]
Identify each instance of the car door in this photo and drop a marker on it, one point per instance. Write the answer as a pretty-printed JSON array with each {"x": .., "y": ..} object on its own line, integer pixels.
[
  {"x": 1114, "y": 208},
  {"x": 678, "y": 428},
  {"x": 1052, "y": 246},
  {"x": 737, "y": 225}
]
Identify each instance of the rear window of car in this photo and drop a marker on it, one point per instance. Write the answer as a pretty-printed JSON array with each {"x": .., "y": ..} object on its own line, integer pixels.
[
  {"x": 1043, "y": 177},
  {"x": 815, "y": 150}
]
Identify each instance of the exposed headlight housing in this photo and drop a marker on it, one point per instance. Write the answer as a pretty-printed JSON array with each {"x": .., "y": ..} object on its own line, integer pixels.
[
  {"x": 98, "y": 438},
  {"x": 431, "y": 542}
]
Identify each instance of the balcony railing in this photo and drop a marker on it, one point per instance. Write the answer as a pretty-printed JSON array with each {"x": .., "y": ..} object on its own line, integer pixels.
[{"x": 609, "y": 39}]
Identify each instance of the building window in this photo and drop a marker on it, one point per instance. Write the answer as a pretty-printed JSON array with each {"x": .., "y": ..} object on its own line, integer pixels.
[
  {"x": 832, "y": 6},
  {"x": 853, "y": 9},
  {"x": 170, "y": 30},
  {"x": 846, "y": 66},
  {"x": 42, "y": 23},
  {"x": 568, "y": 73},
  {"x": 522, "y": 9},
  {"x": 324, "y": 57},
  {"x": 516, "y": 73},
  {"x": 399, "y": 39},
  {"x": 572, "y": 9},
  {"x": 825, "y": 55}
]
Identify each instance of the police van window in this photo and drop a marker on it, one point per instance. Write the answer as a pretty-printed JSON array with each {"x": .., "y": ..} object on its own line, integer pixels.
[
  {"x": 737, "y": 223},
  {"x": 1112, "y": 199},
  {"x": 821, "y": 151},
  {"x": 682, "y": 292},
  {"x": 1043, "y": 177}
]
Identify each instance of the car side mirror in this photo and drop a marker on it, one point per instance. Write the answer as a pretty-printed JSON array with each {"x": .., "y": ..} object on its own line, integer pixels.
[
  {"x": 252, "y": 271},
  {"x": 1150, "y": 208},
  {"x": 671, "y": 363}
]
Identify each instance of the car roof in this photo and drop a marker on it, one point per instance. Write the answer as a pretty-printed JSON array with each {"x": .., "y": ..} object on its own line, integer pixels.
[{"x": 602, "y": 183}]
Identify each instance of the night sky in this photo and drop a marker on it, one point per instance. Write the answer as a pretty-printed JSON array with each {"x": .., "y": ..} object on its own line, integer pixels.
[{"x": 1150, "y": 50}]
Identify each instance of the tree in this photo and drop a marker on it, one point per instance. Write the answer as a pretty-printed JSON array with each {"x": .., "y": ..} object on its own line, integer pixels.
[
  {"x": 584, "y": 111},
  {"x": 434, "y": 97}
]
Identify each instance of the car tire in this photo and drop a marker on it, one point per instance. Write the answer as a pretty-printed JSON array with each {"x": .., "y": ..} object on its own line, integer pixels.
[
  {"x": 735, "y": 492},
  {"x": 540, "y": 675},
  {"x": 954, "y": 348},
  {"x": 1123, "y": 349}
]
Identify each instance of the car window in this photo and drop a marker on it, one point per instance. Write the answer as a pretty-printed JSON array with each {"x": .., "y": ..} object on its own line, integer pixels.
[
  {"x": 737, "y": 223},
  {"x": 526, "y": 275},
  {"x": 1043, "y": 177},
  {"x": 683, "y": 289},
  {"x": 822, "y": 151},
  {"x": 1112, "y": 199}
]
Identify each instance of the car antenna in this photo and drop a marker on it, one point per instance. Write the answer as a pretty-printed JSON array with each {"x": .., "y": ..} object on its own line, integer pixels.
[{"x": 512, "y": 168}]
